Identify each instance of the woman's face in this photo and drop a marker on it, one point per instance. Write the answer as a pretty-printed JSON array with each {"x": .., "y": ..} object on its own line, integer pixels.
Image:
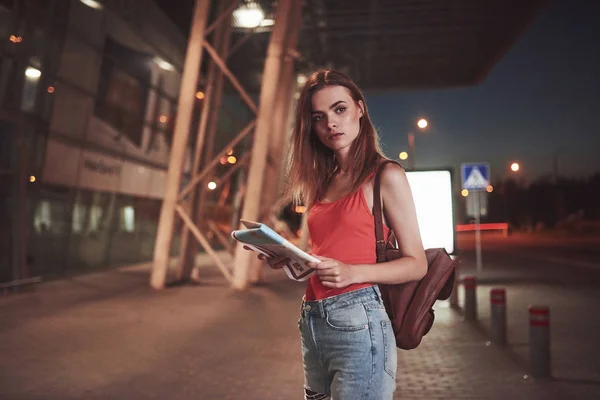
[{"x": 336, "y": 117}]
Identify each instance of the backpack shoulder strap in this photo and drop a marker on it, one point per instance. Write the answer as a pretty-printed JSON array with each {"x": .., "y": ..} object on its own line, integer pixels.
[{"x": 378, "y": 212}]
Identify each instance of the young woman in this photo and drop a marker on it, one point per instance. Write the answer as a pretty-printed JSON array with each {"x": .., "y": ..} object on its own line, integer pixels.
[{"x": 348, "y": 345}]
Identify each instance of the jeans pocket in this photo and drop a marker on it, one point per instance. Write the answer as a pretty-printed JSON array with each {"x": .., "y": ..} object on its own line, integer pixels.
[
  {"x": 389, "y": 348},
  {"x": 351, "y": 318}
]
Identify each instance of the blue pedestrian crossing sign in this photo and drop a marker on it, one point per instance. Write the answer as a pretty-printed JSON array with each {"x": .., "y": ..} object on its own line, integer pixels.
[{"x": 475, "y": 176}]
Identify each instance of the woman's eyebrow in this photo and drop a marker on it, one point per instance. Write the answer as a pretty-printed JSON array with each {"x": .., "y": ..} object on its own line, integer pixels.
[{"x": 331, "y": 106}]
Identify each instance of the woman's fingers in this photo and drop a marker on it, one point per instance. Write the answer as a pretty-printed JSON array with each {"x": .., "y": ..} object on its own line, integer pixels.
[{"x": 274, "y": 262}]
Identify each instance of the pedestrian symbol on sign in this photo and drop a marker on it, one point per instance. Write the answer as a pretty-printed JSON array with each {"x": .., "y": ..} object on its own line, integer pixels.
[{"x": 475, "y": 176}]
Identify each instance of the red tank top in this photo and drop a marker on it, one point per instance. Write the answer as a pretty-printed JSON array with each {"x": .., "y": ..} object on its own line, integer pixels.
[{"x": 345, "y": 231}]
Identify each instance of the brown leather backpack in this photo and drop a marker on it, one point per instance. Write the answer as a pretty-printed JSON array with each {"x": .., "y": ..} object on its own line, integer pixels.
[{"x": 409, "y": 305}]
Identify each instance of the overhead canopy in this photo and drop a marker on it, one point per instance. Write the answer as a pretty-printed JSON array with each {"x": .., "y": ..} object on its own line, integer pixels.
[{"x": 395, "y": 44}]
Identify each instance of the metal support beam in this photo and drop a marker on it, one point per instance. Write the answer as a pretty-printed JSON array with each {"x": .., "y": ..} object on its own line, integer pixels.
[
  {"x": 187, "y": 248},
  {"x": 240, "y": 136},
  {"x": 203, "y": 241},
  {"x": 220, "y": 236},
  {"x": 236, "y": 84},
  {"x": 254, "y": 187},
  {"x": 280, "y": 125},
  {"x": 223, "y": 17},
  {"x": 219, "y": 80},
  {"x": 193, "y": 60},
  {"x": 239, "y": 164}
]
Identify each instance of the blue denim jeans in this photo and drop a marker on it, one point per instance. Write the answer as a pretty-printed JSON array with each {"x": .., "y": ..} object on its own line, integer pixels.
[{"x": 348, "y": 347}]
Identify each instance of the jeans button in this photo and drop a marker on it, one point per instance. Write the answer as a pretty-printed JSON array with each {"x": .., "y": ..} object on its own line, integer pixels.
[{"x": 307, "y": 308}]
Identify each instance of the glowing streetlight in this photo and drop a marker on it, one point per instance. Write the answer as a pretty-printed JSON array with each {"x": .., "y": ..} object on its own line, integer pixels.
[
  {"x": 490, "y": 189},
  {"x": 32, "y": 179},
  {"x": 212, "y": 185},
  {"x": 464, "y": 193},
  {"x": 422, "y": 123},
  {"x": 403, "y": 155},
  {"x": 231, "y": 160},
  {"x": 200, "y": 95},
  {"x": 515, "y": 167}
]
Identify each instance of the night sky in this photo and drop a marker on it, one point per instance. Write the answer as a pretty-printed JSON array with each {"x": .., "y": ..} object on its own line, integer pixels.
[{"x": 541, "y": 98}]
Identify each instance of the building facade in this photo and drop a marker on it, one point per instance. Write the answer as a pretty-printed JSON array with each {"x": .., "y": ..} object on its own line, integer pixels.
[{"x": 88, "y": 96}]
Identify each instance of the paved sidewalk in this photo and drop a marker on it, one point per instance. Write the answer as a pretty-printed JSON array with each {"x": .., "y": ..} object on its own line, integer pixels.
[
  {"x": 573, "y": 296},
  {"x": 109, "y": 336}
]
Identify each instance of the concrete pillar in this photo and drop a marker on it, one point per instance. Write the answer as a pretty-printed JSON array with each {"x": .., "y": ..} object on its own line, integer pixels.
[{"x": 187, "y": 91}]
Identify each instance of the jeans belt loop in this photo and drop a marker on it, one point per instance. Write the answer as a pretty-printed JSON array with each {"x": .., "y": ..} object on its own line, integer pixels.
[{"x": 377, "y": 293}]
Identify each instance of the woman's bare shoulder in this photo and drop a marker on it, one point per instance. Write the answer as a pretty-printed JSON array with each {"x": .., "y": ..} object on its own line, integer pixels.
[{"x": 393, "y": 176}]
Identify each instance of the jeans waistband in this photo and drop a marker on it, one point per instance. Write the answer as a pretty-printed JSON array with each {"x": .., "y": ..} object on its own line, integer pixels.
[{"x": 319, "y": 308}]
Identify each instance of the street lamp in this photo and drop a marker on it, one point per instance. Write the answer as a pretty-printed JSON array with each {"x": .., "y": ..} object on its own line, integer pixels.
[
  {"x": 421, "y": 124},
  {"x": 514, "y": 167}
]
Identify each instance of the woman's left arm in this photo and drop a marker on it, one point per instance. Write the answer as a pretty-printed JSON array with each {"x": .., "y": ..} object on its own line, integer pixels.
[{"x": 401, "y": 215}]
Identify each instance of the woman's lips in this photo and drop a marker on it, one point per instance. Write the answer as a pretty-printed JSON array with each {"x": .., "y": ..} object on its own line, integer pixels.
[{"x": 335, "y": 136}]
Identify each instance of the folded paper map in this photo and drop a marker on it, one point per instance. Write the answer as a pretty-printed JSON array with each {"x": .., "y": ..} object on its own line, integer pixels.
[{"x": 262, "y": 239}]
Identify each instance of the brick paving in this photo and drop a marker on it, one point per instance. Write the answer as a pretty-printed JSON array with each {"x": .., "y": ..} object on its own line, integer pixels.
[{"x": 108, "y": 335}]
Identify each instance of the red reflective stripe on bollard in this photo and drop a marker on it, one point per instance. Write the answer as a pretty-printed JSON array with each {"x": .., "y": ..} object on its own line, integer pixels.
[
  {"x": 539, "y": 316},
  {"x": 469, "y": 282},
  {"x": 498, "y": 296},
  {"x": 539, "y": 310}
]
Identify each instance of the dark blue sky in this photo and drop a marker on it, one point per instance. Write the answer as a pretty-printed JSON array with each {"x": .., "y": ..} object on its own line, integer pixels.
[{"x": 543, "y": 96}]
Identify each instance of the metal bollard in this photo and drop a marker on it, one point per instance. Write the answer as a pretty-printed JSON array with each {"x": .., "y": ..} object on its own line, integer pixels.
[
  {"x": 539, "y": 341},
  {"x": 470, "y": 286},
  {"x": 498, "y": 307}
]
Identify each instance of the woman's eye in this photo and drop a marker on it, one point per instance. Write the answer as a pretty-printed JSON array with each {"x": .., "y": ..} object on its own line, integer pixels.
[
  {"x": 318, "y": 117},
  {"x": 340, "y": 110}
]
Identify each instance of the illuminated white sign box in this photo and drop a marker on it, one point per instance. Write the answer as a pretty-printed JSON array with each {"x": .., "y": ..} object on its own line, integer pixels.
[{"x": 432, "y": 193}]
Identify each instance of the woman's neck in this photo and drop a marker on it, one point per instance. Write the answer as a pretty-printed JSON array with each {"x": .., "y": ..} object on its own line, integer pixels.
[{"x": 343, "y": 162}]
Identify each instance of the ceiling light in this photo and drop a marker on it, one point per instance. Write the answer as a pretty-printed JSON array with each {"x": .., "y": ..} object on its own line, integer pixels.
[
  {"x": 267, "y": 22},
  {"x": 96, "y": 5},
  {"x": 163, "y": 64},
  {"x": 31, "y": 72},
  {"x": 248, "y": 16}
]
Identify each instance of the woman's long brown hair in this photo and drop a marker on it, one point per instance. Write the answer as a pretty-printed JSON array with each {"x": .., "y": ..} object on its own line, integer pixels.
[{"x": 312, "y": 164}]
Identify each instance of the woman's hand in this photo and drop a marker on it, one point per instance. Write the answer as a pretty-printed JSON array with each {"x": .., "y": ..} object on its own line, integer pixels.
[
  {"x": 334, "y": 273},
  {"x": 274, "y": 262}
]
